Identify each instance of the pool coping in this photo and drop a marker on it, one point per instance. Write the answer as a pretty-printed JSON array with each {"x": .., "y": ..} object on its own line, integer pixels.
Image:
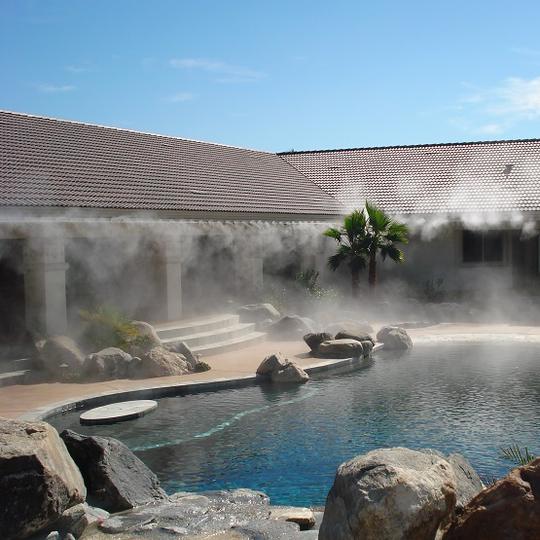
[{"x": 177, "y": 389}]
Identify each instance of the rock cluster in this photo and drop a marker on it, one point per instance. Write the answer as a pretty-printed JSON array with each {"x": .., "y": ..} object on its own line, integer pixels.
[
  {"x": 290, "y": 327},
  {"x": 349, "y": 341},
  {"x": 278, "y": 369},
  {"x": 62, "y": 359}
]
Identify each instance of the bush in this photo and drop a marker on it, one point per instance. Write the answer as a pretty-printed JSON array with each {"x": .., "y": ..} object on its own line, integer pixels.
[{"x": 106, "y": 327}]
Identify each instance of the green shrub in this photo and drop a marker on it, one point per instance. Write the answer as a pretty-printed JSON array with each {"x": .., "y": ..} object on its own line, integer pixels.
[
  {"x": 517, "y": 455},
  {"x": 107, "y": 327}
]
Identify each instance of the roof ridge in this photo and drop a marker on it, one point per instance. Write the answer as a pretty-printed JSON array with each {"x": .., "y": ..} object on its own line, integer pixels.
[
  {"x": 102, "y": 126},
  {"x": 429, "y": 145}
]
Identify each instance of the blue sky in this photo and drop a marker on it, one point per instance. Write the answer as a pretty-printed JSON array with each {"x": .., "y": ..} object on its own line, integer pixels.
[{"x": 278, "y": 75}]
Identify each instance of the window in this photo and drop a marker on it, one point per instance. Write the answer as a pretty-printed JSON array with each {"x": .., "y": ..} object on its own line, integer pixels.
[{"x": 482, "y": 247}]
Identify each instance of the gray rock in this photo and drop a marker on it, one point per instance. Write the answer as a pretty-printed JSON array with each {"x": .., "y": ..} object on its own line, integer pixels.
[
  {"x": 61, "y": 357},
  {"x": 313, "y": 340},
  {"x": 359, "y": 337},
  {"x": 272, "y": 363},
  {"x": 340, "y": 348},
  {"x": 109, "y": 363},
  {"x": 266, "y": 529},
  {"x": 257, "y": 313},
  {"x": 352, "y": 327},
  {"x": 291, "y": 327},
  {"x": 159, "y": 362},
  {"x": 367, "y": 347},
  {"x": 77, "y": 519},
  {"x": 53, "y": 535},
  {"x": 467, "y": 480},
  {"x": 181, "y": 348},
  {"x": 394, "y": 338},
  {"x": 38, "y": 478},
  {"x": 116, "y": 479},
  {"x": 202, "y": 366},
  {"x": 392, "y": 493},
  {"x": 291, "y": 373}
]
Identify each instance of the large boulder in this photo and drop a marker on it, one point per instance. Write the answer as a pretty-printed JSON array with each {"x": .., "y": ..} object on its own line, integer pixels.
[
  {"x": 115, "y": 477},
  {"x": 392, "y": 493},
  {"x": 394, "y": 338},
  {"x": 290, "y": 327},
  {"x": 340, "y": 348},
  {"x": 160, "y": 362},
  {"x": 61, "y": 357},
  {"x": 38, "y": 478},
  {"x": 271, "y": 363},
  {"x": 146, "y": 340},
  {"x": 291, "y": 373},
  {"x": 109, "y": 363},
  {"x": 510, "y": 508},
  {"x": 313, "y": 340},
  {"x": 257, "y": 313}
]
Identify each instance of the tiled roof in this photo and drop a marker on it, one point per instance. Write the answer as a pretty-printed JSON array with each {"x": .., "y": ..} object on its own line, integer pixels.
[
  {"x": 446, "y": 178},
  {"x": 48, "y": 162}
]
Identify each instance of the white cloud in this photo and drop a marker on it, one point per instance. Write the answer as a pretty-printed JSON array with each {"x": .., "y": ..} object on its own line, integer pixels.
[
  {"x": 180, "y": 97},
  {"x": 55, "y": 89},
  {"x": 227, "y": 72},
  {"x": 492, "y": 111}
]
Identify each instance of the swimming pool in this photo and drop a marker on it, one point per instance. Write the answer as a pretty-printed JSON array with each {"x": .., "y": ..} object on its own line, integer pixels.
[{"x": 454, "y": 397}]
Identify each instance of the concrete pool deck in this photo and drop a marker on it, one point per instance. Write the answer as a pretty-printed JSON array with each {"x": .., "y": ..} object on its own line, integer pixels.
[{"x": 35, "y": 400}]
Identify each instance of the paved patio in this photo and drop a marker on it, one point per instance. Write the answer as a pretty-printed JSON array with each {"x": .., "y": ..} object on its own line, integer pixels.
[{"x": 19, "y": 399}]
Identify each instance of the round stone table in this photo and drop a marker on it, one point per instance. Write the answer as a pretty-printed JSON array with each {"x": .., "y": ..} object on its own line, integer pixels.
[{"x": 118, "y": 412}]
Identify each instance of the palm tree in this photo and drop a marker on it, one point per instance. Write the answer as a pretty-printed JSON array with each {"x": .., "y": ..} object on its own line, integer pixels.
[
  {"x": 364, "y": 234},
  {"x": 384, "y": 234},
  {"x": 352, "y": 242}
]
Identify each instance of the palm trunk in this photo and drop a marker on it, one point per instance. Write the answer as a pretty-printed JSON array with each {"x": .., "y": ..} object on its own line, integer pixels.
[
  {"x": 372, "y": 276},
  {"x": 355, "y": 282}
]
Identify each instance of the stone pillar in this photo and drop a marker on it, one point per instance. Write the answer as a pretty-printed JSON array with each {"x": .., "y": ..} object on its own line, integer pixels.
[
  {"x": 173, "y": 279},
  {"x": 45, "y": 285}
]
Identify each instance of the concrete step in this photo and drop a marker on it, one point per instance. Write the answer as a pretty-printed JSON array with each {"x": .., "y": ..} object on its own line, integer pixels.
[
  {"x": 230, "y": 344},
  {"x": 179, "y": 329},
  {"x": 15, "y": 365},
  {"x": 213, "y": 336},
  {"x": 10, "y": 378}
]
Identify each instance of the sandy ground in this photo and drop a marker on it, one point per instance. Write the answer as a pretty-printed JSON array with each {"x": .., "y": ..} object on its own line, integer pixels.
[{"x": 19, "y": 399}]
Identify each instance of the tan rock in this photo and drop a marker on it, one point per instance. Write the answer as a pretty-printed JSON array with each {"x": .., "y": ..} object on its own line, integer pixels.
[
  {"x": 508, "y": 509},
  {"x": 38, "y": 478},
  {"x": 160, "y": 362},
  {"x": 303, "y": 516}
]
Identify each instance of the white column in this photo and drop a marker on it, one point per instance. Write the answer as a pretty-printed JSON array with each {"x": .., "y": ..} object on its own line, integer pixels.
[
  {"x": 173, "y": 279},
  {"x": 45, "y": 285}
]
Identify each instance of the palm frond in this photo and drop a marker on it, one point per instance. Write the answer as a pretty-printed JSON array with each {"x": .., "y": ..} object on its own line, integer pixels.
[
  {"x": 392, "y": 252},
  {"x": 378, "y": 219},
  {"x": 517, "y": 455},
  {"x": 397, "y": 232},
  {"x": 355, "y": 225},
  {"x": 334, "y": 233}
]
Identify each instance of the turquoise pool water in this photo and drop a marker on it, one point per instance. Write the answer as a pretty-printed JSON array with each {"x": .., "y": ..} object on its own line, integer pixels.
[{"x": 469, "y": 398}]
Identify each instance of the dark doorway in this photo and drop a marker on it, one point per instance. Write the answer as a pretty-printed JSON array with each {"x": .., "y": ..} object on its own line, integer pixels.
[
  {"x": 14, "y": 339},
  {"x": 525, "y": 270}
]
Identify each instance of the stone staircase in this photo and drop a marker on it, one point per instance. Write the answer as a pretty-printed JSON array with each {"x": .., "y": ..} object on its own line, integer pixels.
[
  {"x": 211, "y": 335},
  {"x": 14, "y": 371}
]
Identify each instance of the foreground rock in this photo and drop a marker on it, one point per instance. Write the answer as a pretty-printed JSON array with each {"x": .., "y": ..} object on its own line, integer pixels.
[
  {"x": 182, "y": 348},
  {"x": 77, "y": 519},
  {"x": 148, "y": 337},
  {"x": 116, "y": 479},
  {"x": 508, "y": 509},
  {"x": 314, "y": 340},
  {"x": 290, "y": 327},
  {"x": 257, "y": 313},
  {"x": 160, "y": 362},
  {"x": 340, "y": 348},
  {"x": 61, "y": 357},
  {"x": 38, "y": 478},
  {"x": 278, "y": 369},
  {"x": 393, "y": 493},
  {"x": 359, "y": 337},
  {"x": 239, "y": 514},
  {"x": 107, "y": 364},
  {"x": 394, "y": 338}
]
